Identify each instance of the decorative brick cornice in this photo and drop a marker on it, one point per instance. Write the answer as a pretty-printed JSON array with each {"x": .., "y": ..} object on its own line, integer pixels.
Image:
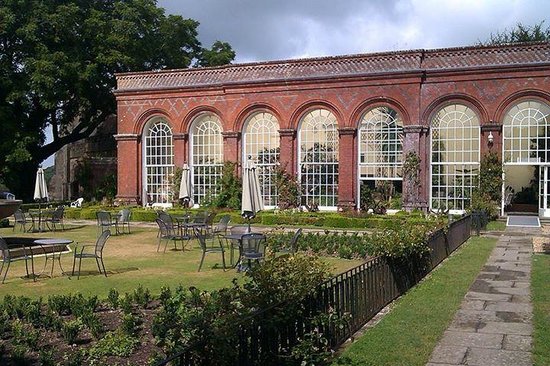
[
  {"x": 231, "y": 135},
  {"x": 287, "y": 132},
  {"x": 181, "y": 136},
  {"x": 415, "y": 129},
  {"x": 127, "y": 137},
  {"x": 347, "y": 131},
  {"x": 491, "y": 127},
  {"x": 411, "y": 61}
]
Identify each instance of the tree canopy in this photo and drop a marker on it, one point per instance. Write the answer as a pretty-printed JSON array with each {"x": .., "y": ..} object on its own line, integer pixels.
[
  {"x": 521, "y": 33},
  {"x": 58, "y": 59}
]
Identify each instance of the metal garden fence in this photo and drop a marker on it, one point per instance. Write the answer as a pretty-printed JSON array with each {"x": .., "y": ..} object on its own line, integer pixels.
[{"x": 355, "y": 296}]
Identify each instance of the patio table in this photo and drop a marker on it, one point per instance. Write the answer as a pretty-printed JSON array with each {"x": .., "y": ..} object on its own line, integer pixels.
[
  {"x": 39, "y": 216},
  {"x": 51, "y": 249}
]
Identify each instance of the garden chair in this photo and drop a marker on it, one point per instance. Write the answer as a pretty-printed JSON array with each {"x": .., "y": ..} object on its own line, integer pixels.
[
  {"x": 167, "y": 219},
  {"x": 56, "y": 218},
  {"x": 97, "y": 253},
  {"x": 21, "y": 220},
  {"x": 105, "y": 221},
  {"x": 77, "y": 203},
  {"x": 292, "y": 247},
  {"x": 124, "y": 219},
  {"x": 253, "y": 249},
  {"x": 235, "y": 244},
  {"x": 8, "y": 257},
  {"x": 169, "y": 232},
  {"x": 207, "y": 242},
  {"x": 221, "y": 227}
]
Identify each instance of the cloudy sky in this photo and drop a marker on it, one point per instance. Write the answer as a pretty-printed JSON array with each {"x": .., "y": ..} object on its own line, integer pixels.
[{"x": 260, "y": 30}]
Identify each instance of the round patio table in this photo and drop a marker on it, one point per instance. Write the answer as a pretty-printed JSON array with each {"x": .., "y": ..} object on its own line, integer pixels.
[{"x": 54, "y": 248}]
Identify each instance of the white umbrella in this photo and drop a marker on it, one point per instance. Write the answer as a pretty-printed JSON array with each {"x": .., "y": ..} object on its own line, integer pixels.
[
  {"x": 252, "y": 200},
  {"x": 185, "y": 186},
  {"x": 40, "y": 193},
  {"x": 40, "y": 187}
]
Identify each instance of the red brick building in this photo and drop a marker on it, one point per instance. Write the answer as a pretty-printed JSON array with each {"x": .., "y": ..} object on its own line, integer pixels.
[{"x": 340, "y": 122}]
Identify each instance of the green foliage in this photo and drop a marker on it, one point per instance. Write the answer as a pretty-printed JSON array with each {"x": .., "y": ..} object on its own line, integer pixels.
[
  {"x": 487, "y": 196},
  {"x": 70, "y": 330},
  {"x": 46, "y": 358},
  {"x": 24, "y": 334},
  {"x": 114, "y": 344},
  {"x": 521, "y": 33},
  {"x": 59, "y": 65},
  {"x": 221, "y": 53},
  {"x": 268, "y": 283},
  {"x": 142, "y": 296},
  {"x": 288, "y": 189},
  {"x": 113, "y": 298},
  {"x": 228, "y": 188}
]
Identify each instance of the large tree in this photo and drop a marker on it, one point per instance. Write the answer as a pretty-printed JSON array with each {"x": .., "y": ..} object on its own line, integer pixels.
[
  {"x": 521, "y": 33},
  {"x": 57, "y": 64}
]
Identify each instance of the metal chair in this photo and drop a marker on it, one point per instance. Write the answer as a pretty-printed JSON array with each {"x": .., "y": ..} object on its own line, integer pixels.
[
  {"x": 207, "y": 244},
  {"x": 7, "y": 257},
  {"x": 56, "y": 218},
  {"x": 97, "y": 254},
  {"x": 169, "y": 232},
  {"x": 235, "y": 244},
  {"x": 293, "y": 244},
  {"x": 221, "y": 227},
  {"x": 21, "y": 220},
  {"x": 124, "y": 219},
  {"x": 253, "y": 248},
  {"x": 105, "y": 221}
]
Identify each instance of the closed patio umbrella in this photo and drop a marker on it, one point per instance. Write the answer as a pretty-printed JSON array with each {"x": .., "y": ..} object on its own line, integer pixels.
[
  {"x": 185, "y": 186},
  {"x": 40, "y": 187},
  {"x": 40, "y": 193},
  {"x": 252, "y": 200}
]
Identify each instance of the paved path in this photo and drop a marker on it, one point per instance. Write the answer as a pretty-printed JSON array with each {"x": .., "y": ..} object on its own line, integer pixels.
[{"x": 493, "y": 325}]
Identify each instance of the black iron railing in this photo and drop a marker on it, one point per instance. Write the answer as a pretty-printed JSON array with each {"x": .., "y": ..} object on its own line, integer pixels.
[{"x": 266, "y": 337}]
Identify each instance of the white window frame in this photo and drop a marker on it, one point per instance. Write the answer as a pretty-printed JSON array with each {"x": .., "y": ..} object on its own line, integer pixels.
[
  {"x": 472, "y": 166},
  {"x": 258, "y": 133},
  {"x": 531, "y": 114},
  {"x": 202, "y": 170},
  {"x": 321, "y": 116},
  {"x": 162, "y": 161}
]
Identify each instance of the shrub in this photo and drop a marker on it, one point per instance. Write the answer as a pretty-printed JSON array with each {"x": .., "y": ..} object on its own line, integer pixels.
[
  {"x": 70, "y": 330},
  {"x": 114, "y": 344},
  {"x": 142, "y": 296},
  {"x": 113, "y": 298}
]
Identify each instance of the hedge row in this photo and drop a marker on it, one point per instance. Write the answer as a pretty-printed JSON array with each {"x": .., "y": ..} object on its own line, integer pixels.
[{"x": 270, "y": 218}]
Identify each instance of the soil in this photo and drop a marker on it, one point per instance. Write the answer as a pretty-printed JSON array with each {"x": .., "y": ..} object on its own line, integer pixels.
[{"x": 110, "y": 319}]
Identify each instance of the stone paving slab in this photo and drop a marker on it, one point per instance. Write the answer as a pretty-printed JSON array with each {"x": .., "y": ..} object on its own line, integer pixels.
[
  {"x": 493, "y": 325},
  {"x": 494, "y": 357}
]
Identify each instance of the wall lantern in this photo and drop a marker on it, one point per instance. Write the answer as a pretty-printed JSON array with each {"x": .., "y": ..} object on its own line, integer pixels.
[{"x": 490, "y": 138}]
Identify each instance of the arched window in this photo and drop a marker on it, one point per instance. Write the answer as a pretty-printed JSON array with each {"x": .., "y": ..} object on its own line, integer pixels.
[
  {"x": 381, "y": 149},
  {"x": 454, "y": 158},
  {"x": 526, "y": 133},
  {"x": 261, "y": 145},
  {"x": 206, "y": 152},
  {"x": 158, "y": 167},
  {"x": 318, "y": 158}
]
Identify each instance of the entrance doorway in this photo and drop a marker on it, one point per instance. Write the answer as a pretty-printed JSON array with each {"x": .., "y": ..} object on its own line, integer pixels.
[
  {"x": 521, "y": 189},
  {"x": 544, "y": 191}
]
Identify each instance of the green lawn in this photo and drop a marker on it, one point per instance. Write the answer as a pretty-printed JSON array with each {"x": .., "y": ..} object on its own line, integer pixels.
[
  {"x": 130, "y": 260},
  {"x": 540, "y": 288},
  {"x": 409, "y": 333},
  {"x": 496, "y": 226}
]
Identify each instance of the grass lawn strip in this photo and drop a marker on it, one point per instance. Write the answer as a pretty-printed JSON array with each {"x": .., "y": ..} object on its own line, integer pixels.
[
  {"x": 410, "y": 332},
  {"x": 540, "y": 290}
]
